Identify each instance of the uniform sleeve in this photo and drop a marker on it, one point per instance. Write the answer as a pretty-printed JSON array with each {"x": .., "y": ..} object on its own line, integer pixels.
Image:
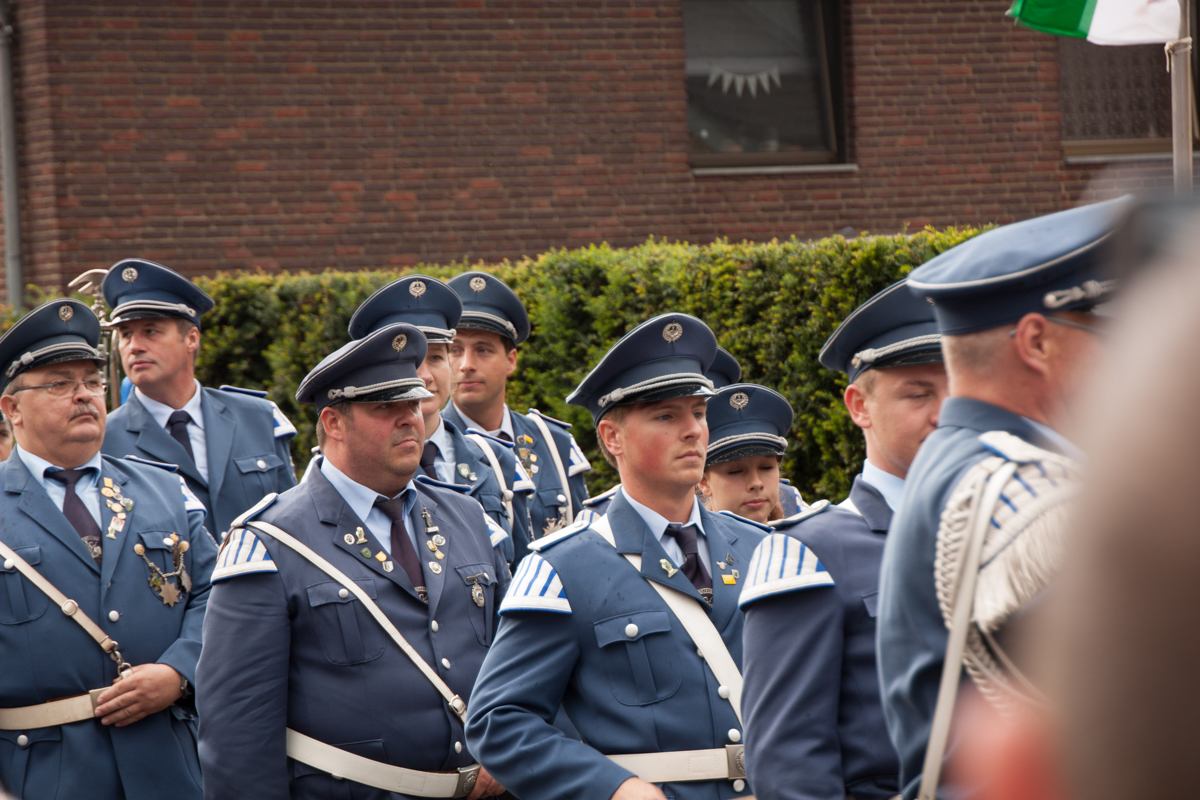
[
  {"x": 242, "y": 689},
  {"x": 199, "y": 560},
  {"x": 286, "y": 475},
  {"x": 510, "y": 719}
]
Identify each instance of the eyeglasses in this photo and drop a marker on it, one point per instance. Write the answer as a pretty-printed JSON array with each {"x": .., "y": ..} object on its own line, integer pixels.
[
  {"x": 66, "y": 388},
  {"x": 1077, "y": 325}
]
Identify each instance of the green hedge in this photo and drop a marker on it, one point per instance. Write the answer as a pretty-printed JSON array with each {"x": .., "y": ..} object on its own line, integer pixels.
[{"x": 772, "y": 305}]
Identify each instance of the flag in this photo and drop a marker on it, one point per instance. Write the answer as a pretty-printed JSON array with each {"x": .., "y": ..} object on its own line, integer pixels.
[{"x": 1102, "y": 21}]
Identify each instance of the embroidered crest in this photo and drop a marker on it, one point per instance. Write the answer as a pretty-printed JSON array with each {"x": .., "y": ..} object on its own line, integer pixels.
[
  {"x": 399, "y": 342},
  {"x": 739, "y": 400},
  {"x": 673, "y": 332},
  {"x": 65, "y": 313},
  {"x": 478, "y": 284},
  {"x": 129, "y": 274},
  {"x": 416, "y": 288}
]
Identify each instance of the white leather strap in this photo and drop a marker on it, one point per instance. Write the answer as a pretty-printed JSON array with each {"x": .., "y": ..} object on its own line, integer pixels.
[
  {"x": 696, "y": 622},
  {"x": 488, "y": 453},
  {"x": 725, "y": 763},
  {"x": 340, "y": 764},
  {"x": 283, "y": 537},
  {"x": 558, "y": 465},
  {"x": 46, "y": 715}
]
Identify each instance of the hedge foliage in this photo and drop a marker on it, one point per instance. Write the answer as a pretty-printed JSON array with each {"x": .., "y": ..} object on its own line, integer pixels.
[{"x": 771, "y": 304}]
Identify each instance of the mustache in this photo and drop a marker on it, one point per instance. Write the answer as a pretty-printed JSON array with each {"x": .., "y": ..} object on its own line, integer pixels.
[
  {"x": 83, "y": 407},
  {"x": 405, "y": 432}
]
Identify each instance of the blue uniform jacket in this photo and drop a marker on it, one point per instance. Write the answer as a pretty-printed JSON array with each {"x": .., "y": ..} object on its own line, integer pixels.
[
  {"x": 549, "y": 499},
  {"x": 248, "y": 455},
  {"x": 564, "y": 640},
  {"x": 911, "y": 631},
  {"x": 46, "y": 655},
  {"x": 283, "y": 649},
  {"x": 814, "y": 720},
  {"x": 789, "y": 500}
]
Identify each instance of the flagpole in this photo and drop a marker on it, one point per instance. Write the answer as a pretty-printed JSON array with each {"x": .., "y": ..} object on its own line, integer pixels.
[{"x": 1180, "y": 62}]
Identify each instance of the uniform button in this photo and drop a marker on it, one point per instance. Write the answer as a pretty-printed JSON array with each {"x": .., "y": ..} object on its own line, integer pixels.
[
  {"x": 9, "y": 563},
  {"x": 562, "y": 498},
  {"x": 434, "y": 625},
  {"x": 458, "y": 747},
  {"x": 735, "y": 735},
  {"x": 22, "y": 740},
  {"x": 114, "y": 615},
  {"x": 261, "y": 464},
  {"x": 631, "y": 630},
  {"x": 723, "y": 691},
  {"x": 739, "y": 785},
  {"x": 343, "y": 593},
  {"x": 446, "y": 663},
  {"x": 168, "y": 541},
  {"x": 699, "y": 652}
]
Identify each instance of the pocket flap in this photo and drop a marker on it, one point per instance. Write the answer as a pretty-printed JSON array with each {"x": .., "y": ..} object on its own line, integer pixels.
[
  {"x": 550, "y": 497},
  {"x": 483, "y": 574},
  {"x": 263, "y": 463},
  {"x": 637, "y": 623},
  {"x": 331, "y": 592},
  {"x": 31, "y": 553},
  {"x": 51, "y": 734},
  {"x": 156, "y": 540}
]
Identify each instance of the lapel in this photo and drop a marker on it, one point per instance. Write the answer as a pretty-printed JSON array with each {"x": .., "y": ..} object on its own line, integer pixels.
[
  {"x": 632, "y": 535},
  {"x": 155, "y": 442},
  {"x": 434, "y": 583},
  {"x": 464, "y": 453},
  {"x": 113, "y": 548},
  {"x": 721, "y": 540},
  {"x": 37, "y": 505},
  {"x": 872, "y": 506},
  {"x": 333, "y": 510},
  {"x": 220, "y": 428}
]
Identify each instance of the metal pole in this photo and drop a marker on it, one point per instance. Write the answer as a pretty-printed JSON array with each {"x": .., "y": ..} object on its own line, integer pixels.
[
  {"x": 1181, "y": 102},
  {"x": 14, "y": 274}
]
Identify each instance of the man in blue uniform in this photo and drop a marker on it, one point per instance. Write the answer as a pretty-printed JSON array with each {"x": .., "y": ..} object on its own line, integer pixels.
[
  {"x": 814, "y": 722},
  {"x": 1014, "y": 307},
  {"x": 94, "y": 702},
  {"x": 484, "y": 353},
  {"x": 609, "y": 617},
  {"x": 486, "y": 465},
  {"x": 231, "y": 445},
  {"x": 303, "y": 691}
]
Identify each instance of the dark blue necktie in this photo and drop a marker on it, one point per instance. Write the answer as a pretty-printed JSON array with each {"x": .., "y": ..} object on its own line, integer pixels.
[
  {"x": 177, "y": 426},
  {"x": 76, "y": 512},
  {"x": 692, "y": 567}
]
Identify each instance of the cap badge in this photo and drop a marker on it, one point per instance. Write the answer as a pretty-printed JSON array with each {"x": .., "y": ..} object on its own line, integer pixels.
[
  {"x": 416, "y": 288},
  {"x": 478, "y": 284},
  {"x": 740, "y": 400},
  {"x": 399, "y": 342},
  {"x": 65, "y": 313},
  {"x": 129, "y": 274},
  {"x": 673, "y": 332}
]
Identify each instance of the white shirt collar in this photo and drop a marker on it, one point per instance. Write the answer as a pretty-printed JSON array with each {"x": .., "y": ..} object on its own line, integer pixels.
[
  {"x": 506, "y": 425},
  {"x": 38, "y": 466},
  {"x": 361, "y": 499},
  {"x": 162, "y": 412},
  {"x": 887, "y": 484},
  {"x": 1068, "y": 448},
  {"x": 441, "y": 438},
  {"x": 657, "y": 522}
]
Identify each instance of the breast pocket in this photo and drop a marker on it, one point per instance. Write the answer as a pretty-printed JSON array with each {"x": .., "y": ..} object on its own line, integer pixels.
[
  {"x": 347, "y": 631},
  {"x": 479, "y": 583},
  {"x": 20, "y": 600},
  {"x": 259, "y": 471},
  {"x": 639, "y": 657}
]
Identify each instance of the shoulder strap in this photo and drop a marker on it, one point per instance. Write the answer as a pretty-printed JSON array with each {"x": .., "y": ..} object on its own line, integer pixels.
[
  {"x": 695, "y": 621},
  {"x": 558, "y": 465},
  {"x": 456, "y": 703},
  {"x": 505, "y": 493},
  {"x": 67, "y": 606}
]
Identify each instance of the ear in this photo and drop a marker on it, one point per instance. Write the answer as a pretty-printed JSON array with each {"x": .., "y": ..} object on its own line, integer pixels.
[
  {"x": 1033, "y": 341},
  {"x": 193, "y": 340},
  {"x": 705, "y": 489},
  {"x": 610, "y": 433},
  {"x": 8, "y": 405},
  {"x": 335, "y": 427},
  {"x": 512, "y": 360},
  {"x": 856, "y": 403}
]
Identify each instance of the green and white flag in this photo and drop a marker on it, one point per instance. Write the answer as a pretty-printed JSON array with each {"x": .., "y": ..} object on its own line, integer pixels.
[{"x": 1102, "y": 21}]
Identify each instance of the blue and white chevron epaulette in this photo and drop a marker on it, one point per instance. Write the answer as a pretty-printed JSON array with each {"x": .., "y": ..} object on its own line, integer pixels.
[
  {"x": 428, "y": 481},
  {"x": 491, "y": 438},
  {"x": 523, "y": 482},
  {"x": 283, "y": 425},
  {"x": 805, "y": 513},
  {"x": 254, "y": 510},
  {"x": 190, "y": 501},
  {"x": 1014, "y": 448},
  {"x": 149, "y": 463},
  {"x": 495, "y": 532},
  {"x": 782, "y": 564},
  {"x": 566, "y": 426},
  {"x": 579, "y": 462},
  {"x": 225, "y": 387},
  {"x": 582, "y": 522},
  {"x": 603, "y": 496},
  {"x": 536, "y": 587},
  {"x": 242, "y": 554}
]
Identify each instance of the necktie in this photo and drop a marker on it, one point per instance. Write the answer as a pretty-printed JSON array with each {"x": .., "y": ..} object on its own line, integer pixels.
[
  {"x": 429, "y": 460},
  {"x": 177, "y": 426},
  {"x": 402, "y": 547},
  {"x": 504, "y": 435},
  {"x": 76, "y": 512},
  {"x": 693, "y": 568}
]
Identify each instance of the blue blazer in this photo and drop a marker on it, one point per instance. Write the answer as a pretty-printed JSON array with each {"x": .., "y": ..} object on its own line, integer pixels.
[
  {"x": 564, "y": 640},
  {"x": 283, "y": 649},
  {"x": 248, "y": 456},
  {"x": 912, "y": 634},
  {"x": 814, "y": 721},
  {"x": 46, "y": 655}
]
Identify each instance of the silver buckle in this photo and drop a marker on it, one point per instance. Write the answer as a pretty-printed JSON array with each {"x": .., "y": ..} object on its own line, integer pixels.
[
  {"x": 735, "y": 755},
  {"x": 467, "y": 776}
]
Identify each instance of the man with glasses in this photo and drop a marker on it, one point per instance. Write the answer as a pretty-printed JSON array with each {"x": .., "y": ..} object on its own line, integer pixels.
[
  {"x": 94, "y": 701},
  {"x": 1016, "y": 310}
]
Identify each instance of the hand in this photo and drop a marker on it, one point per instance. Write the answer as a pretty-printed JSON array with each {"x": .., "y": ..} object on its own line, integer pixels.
[
  {"x": 485, "y": 786},
  {"x": 638, "y": 789},
  {"x": 146, "y": 690}
]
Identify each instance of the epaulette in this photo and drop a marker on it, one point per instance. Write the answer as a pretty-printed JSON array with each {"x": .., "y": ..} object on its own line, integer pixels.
[
  {"x": 579, "y": 462},
  {"x": 758, "y": 525},
  {"x": 566, "y": 426},
  {"x": 523, "y": 482},
  {"x": 581, "y": 523},
  {"x": 253, "y": 511},
  {"x": 796, "y": 519},
  {"x": 535, "y": 587},
  {"x": 252, "y": 392},
  {"x": 190, "y": 501},
  {"x": 457, "y": 487},
  {"x": 242, "y": 554},
  {"x": 495, "y": 532},
  {"x": 283, "y": 425},
  {"x": 149, "y": 463},
  {"x": 1014, "y": 448},
  {"x": 603, "y": 496},
  {"x": 491, "y": 438},
  {"x": 782, "y": 564}
]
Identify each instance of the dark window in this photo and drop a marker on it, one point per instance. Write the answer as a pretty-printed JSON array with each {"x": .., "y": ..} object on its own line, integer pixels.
[{"x": 763, "y": 82}]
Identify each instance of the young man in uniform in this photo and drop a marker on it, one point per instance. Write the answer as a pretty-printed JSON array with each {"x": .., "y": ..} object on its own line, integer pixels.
[
  {"x": 597, "y": 614},
  {"x": 231, "y": 446},
  {"x": 350, "y": 615},
  {"x": 484, "y": 353},
  {"x": 95, "y": 701}
]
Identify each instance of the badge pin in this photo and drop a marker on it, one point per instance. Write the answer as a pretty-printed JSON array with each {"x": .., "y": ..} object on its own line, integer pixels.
[
  {"x": 361, "y": 537},
  {"x": 735, "y": 574},
  {"x": 728, "y": 558},
  {"x": 534, "y": 469},
  {"x": 365, "y": 552},
  {"x": 439, "y": 555},
  {"x": 349, "y": 538},
  {"x": 667, "y": 566},
  {"x": 721, "y": 565},
  {"x": 439, "y": 540},
  {"x": 388, "y": 566},
  {"x": 729, "y": 580},
  {"x": 107, "y": 492},
  {"x": 430, "y": 528},
  {"x": 464, "y": 470},
  {"x": 477, "y": 595},
  {"x": 381, "y": 557},
  {"x": 126, "y": 504},
  {"x": 432, "y": 545},
  {"x": 108, "y": 483},
  {"x": 435, "y": 567},
  {"x": 471, "y": 477}
]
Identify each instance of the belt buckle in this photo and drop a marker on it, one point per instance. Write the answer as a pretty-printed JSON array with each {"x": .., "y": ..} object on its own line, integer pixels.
[
  {"x": 94, "y": 696},
  {"x": 467, "y": 776},
  {"x": 735, "y": 756}
]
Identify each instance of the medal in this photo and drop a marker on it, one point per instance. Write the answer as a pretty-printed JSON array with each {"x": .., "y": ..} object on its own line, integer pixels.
[
  {"x": 477, "y": 594},
  {"x": 160, "y": 582},
  {"x": 435, "y": 567},
  {"x": 464, "y": 470},
  {"x": 365, "y": 552},
  {"x": 348, "y": 538},
  {"x": 388, "y": 566},
  {"x": 439, "y": 540},
  {"x": 667, "y": 566},
  {"x": 362, "y": 538},
  {"x": 430, "y": 528}
]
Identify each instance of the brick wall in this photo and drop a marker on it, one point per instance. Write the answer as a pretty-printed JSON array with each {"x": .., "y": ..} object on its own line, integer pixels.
[{"x": 304, "y": 134}]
